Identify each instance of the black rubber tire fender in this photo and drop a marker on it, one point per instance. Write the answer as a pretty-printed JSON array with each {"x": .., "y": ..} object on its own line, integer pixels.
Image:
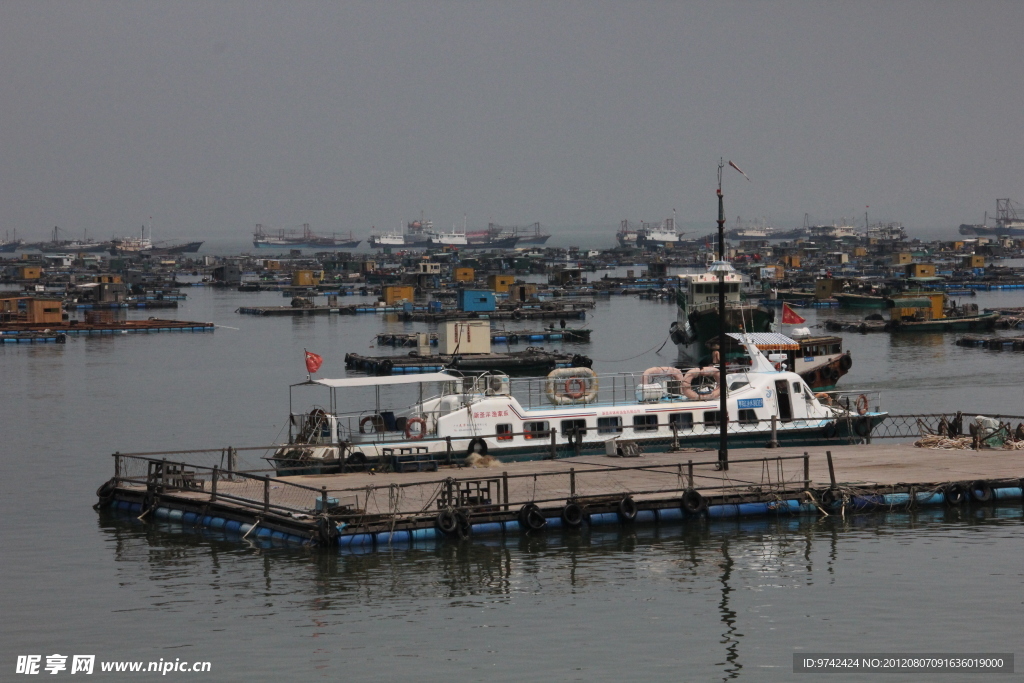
[
  {"x": 846, "y": 362},
  {"x": 981, "y": 491},
  {"x": 106, "y": 490},
  {"x": 446, "y": 522},
  {"x": 831, "y": 499},
  {"x": 955, "y": 494},
  {"x": 572, "y": 516},
  {"x": 478, "y": 446},
  {"x": 627, "y": 509},
  {"x": 830, "y": 430},
  {"x": 691, "y": 501},
  {"x": 862, "y": 426},
  {"x": 531, "y": 518},
  {"x": 462, "y": 525}
]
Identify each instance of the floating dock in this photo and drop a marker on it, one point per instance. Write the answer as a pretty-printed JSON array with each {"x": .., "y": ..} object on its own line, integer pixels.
[
  {"x": 149, "y": 303},
  {"x": 536, "y": 361},
  {"x": 992, "y": 343},
  {"x": 80, "y": 328},
  {"x": 361, "y": 511},
  {"x": 33, "y": 338},
  {"x": 497, "y": 337}
]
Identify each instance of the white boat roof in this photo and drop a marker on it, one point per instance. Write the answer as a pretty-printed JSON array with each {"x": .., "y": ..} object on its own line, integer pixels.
[
  {"x": 386, "y": 381},
  {"x": 766, "y": 338}
]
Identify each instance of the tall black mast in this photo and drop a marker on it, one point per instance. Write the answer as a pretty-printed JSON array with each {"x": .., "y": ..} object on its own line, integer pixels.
[{"x": 722, "y": 267}]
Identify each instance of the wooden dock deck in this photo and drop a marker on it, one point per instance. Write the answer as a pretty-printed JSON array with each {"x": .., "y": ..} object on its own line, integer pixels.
[{"x": 370, "y": 508}]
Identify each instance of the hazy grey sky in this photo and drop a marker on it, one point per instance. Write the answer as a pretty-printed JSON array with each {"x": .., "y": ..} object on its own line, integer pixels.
[{"x": 214, "y": 116}]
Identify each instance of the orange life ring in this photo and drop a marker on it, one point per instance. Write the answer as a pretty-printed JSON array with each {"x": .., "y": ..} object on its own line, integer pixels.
[
  {"x": 376, "y": 419},
  {"x": 862, "y": 404},
  {"x": 575, "y": 387},
  {"x": 419, "y": 434}
]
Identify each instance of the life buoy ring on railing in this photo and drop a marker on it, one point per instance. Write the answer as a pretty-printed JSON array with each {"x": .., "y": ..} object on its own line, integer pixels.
[
  {"x": 692, "y": 374},
  {"x": 375, "y": 419},
  {"x": 862, "y": 404},
  {"x": 575, "y": 388},
  {"x": 417, "y": 435}
]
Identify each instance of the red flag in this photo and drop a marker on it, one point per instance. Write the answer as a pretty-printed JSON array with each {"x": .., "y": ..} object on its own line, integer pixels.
[
  {"x": 789, "y": 316},
  {"x": 313, "y": 362}
]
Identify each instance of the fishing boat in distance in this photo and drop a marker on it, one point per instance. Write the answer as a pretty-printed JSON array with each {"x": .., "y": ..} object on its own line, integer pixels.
[
  {"x": 11, "y": 244},
  {"x": 74, "y": 246},
  {"x": 301, "y": 239},
  {"x": 131, "y": 245},
  {"x": 571, "y": 411}
]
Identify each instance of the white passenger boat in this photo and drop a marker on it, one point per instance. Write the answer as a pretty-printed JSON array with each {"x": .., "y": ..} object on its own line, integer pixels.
[{"x": 570, "y": 412}]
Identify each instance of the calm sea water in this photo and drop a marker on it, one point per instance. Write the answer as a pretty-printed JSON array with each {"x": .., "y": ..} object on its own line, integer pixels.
[{"x": 701, "y": 602}]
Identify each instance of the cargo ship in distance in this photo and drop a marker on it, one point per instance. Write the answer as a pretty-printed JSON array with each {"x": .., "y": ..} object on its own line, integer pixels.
[
  {"x": 301, "y": 239},
  {"x": 1008, "y": 222}
]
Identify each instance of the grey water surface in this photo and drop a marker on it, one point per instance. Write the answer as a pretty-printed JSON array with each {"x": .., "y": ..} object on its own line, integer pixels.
[{"x": 705, "y": 601}]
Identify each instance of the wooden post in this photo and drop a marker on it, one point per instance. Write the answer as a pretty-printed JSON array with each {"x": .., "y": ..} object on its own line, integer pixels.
[
  {"x": 266, "y": 494},
  {"x": 232, "y": 462},
  {"x": 572, "y": 482},
  {"x": 689, "y": 473},
  {"x": 831, "y": 470},
  {"x": 117, "y": 467},
  {"x": 448, "y": 449},
  {"x": 675, "y": 436},
  {"x": 774, "y": 443},
  {"x": 553, "y": 453},
  {"x": 807, "y": 471},
  {"x": 504, "y": 486},
  {"x": 323, "y": 499},
  {"x": 213, "y": 484}
]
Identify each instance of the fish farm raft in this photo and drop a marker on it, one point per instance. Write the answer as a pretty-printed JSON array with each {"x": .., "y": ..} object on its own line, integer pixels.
[{"x": 415, "y": 501}]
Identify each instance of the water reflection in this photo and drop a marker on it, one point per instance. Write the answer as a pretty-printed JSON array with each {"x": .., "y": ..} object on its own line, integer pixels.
[{"x": 732, "y": 578}]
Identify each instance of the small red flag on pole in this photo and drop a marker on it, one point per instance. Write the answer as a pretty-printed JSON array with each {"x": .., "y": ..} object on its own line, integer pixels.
[
  {"x": 313, "y": 362},
  {"x": 789, "y": 316}
]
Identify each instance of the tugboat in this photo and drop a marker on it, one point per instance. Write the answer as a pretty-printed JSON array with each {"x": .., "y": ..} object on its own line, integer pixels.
[{"x": 697, "y": 313}]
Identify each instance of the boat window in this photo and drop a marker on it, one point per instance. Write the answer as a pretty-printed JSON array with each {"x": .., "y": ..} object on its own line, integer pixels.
[
  {"x": 535, "y": 430},
  {"x": 609, "y": 425},
  {"x": 504, "y": 432},
  {"x": 681, "y": 420},
  {"x": 711, "y": 417},
  {"x": 645, "y": 423},
  {"x": 797, "y": 388},
  {"x": 747, "y": 417},
  {"x": 569, "y": 425},
  {"x": 739, "y": 384}
]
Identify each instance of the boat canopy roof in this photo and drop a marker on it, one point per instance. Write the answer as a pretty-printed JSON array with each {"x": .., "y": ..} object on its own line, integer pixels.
[
  {"x": 768, "y": 341},
  {"x": 385, "y": 381}
]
